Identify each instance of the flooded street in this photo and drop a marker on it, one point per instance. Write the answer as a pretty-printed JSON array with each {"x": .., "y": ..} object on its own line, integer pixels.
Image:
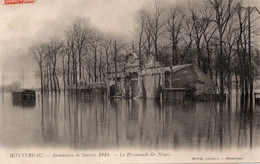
[{"x": 100, "y": 123}]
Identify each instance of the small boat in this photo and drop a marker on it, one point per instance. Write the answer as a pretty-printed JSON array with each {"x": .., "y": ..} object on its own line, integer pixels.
[{"x": 24, "y": 95}]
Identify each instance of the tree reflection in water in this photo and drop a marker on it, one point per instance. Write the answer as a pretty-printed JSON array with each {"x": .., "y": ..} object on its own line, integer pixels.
[{"x": 84, "y": 122}]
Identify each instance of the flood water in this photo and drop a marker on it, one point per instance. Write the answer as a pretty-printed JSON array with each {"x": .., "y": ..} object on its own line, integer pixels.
[{"x": 101, "y": 123}]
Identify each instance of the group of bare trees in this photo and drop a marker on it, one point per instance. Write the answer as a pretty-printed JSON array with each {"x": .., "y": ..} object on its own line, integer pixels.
[
  {"x": 216, "y": 35},
  {"x": 85, "y": 55},
  {"x": 47, "y": 56}
]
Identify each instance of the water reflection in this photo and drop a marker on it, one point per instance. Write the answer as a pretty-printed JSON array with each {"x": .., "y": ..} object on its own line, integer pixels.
[
  {"x": 24, "y": 103},
  {"x": 81, "y": 122}
]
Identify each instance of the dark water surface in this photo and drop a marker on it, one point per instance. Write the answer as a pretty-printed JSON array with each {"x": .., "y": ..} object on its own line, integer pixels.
[{"x": 83, "y": 123}]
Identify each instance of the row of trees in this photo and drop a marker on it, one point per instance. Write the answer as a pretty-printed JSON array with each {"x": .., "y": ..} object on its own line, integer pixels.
[
  {"x": 84, "y": 55},
  {"x": 216, "y": 35}
]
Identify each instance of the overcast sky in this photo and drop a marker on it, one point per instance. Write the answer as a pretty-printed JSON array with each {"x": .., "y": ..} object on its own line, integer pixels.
[{"x": 23, "y": 25}]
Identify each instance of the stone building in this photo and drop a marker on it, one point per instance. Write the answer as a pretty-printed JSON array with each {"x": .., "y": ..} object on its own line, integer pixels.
[{"x": 154, "y": 81}]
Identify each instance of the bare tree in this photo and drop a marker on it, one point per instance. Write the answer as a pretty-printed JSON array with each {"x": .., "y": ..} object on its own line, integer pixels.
[
  {"x": 72, "y": 57},
  {"x": 142, "y": 21},
  {"x": 200, "y": 18},
  {"x": 55, "y": 47},
  {"x": 230, "y": 40},
  {"x": 156, "y": 23},
  {"x": 173, "y": 27},
  {"x": 94, "y": 43},
  {"x": 38, "y": 52},
  {"x": 224, "y": 11},
  {"x": 186, "y": 38},
  {"x": 64, "y": 53},
  {"x": 208, "y": 36},
  {"x": 107, "y": 45},
  {"x": 81, "y": 30}
]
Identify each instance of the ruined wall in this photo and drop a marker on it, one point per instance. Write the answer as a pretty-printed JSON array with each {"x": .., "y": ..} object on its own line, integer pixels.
[
  {"x": 151, "y": 85},
  {"x": 111, "y": 87},
  {"x": 152, "y": 80}
]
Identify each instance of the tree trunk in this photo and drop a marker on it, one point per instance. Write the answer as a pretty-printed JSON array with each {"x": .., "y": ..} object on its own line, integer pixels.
[
  {"x": 221, "y": 69},
  {"x": 95, "y": 65},
  {"x": 199, "y": 55},
  {"x": 47, "y": 79},
  {"x": 41, "y": 72},
  {"x": 58, "y": 84},
  {"x": 100, "y": 68},
  {"x": 115, "y": 60},
  {"x": 68, "y": 70},
  {"x": 64, "y": 77},
  {"x": 209, "y": 61},
  {"x": 50, "y": 78},
  {"x": 216, "y": 79},
  {"x": 250, "y": 74},
  {"x": 107, "y": 61},
  {"x": 156, "y": 50},
  {"x": 236, "y": 82},
  {"x": 80, "y": 65},
  {"x": 76, "y": 76},
  {"x": 54, "y": 81}
]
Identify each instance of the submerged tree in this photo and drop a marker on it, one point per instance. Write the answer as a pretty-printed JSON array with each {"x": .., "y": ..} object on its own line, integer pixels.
[
  {"x": 223, "y": 13},
  {"x": 216, "y": 36},
  {"x": 38, "y": 52}
]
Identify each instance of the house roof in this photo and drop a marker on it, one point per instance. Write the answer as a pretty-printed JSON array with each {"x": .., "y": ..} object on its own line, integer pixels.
[
  {"x": 150, "y": 70},
  {"x": 161, "y": 69},
  {"x": 24, "y": 90},
  {"x": 199, "y": 76}
]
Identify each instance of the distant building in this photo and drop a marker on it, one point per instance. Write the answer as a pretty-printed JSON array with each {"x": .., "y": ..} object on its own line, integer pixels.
[{"x": 154, "y": 80}]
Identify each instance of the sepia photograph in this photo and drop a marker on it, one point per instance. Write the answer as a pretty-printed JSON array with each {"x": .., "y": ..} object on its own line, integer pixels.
[{"x": 129, "y": 81}]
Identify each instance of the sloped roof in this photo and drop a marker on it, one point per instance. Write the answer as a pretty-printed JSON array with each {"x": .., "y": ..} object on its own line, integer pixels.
[
  {"x": 160, "y": 69},
  {"x": 151, "y": 66},
  {"x": 151, "y": 70},
  {"x": 24, "y": 90}
]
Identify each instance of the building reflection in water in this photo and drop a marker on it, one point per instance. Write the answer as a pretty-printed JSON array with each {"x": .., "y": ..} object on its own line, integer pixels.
[{"x": 81, "y": 122}]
